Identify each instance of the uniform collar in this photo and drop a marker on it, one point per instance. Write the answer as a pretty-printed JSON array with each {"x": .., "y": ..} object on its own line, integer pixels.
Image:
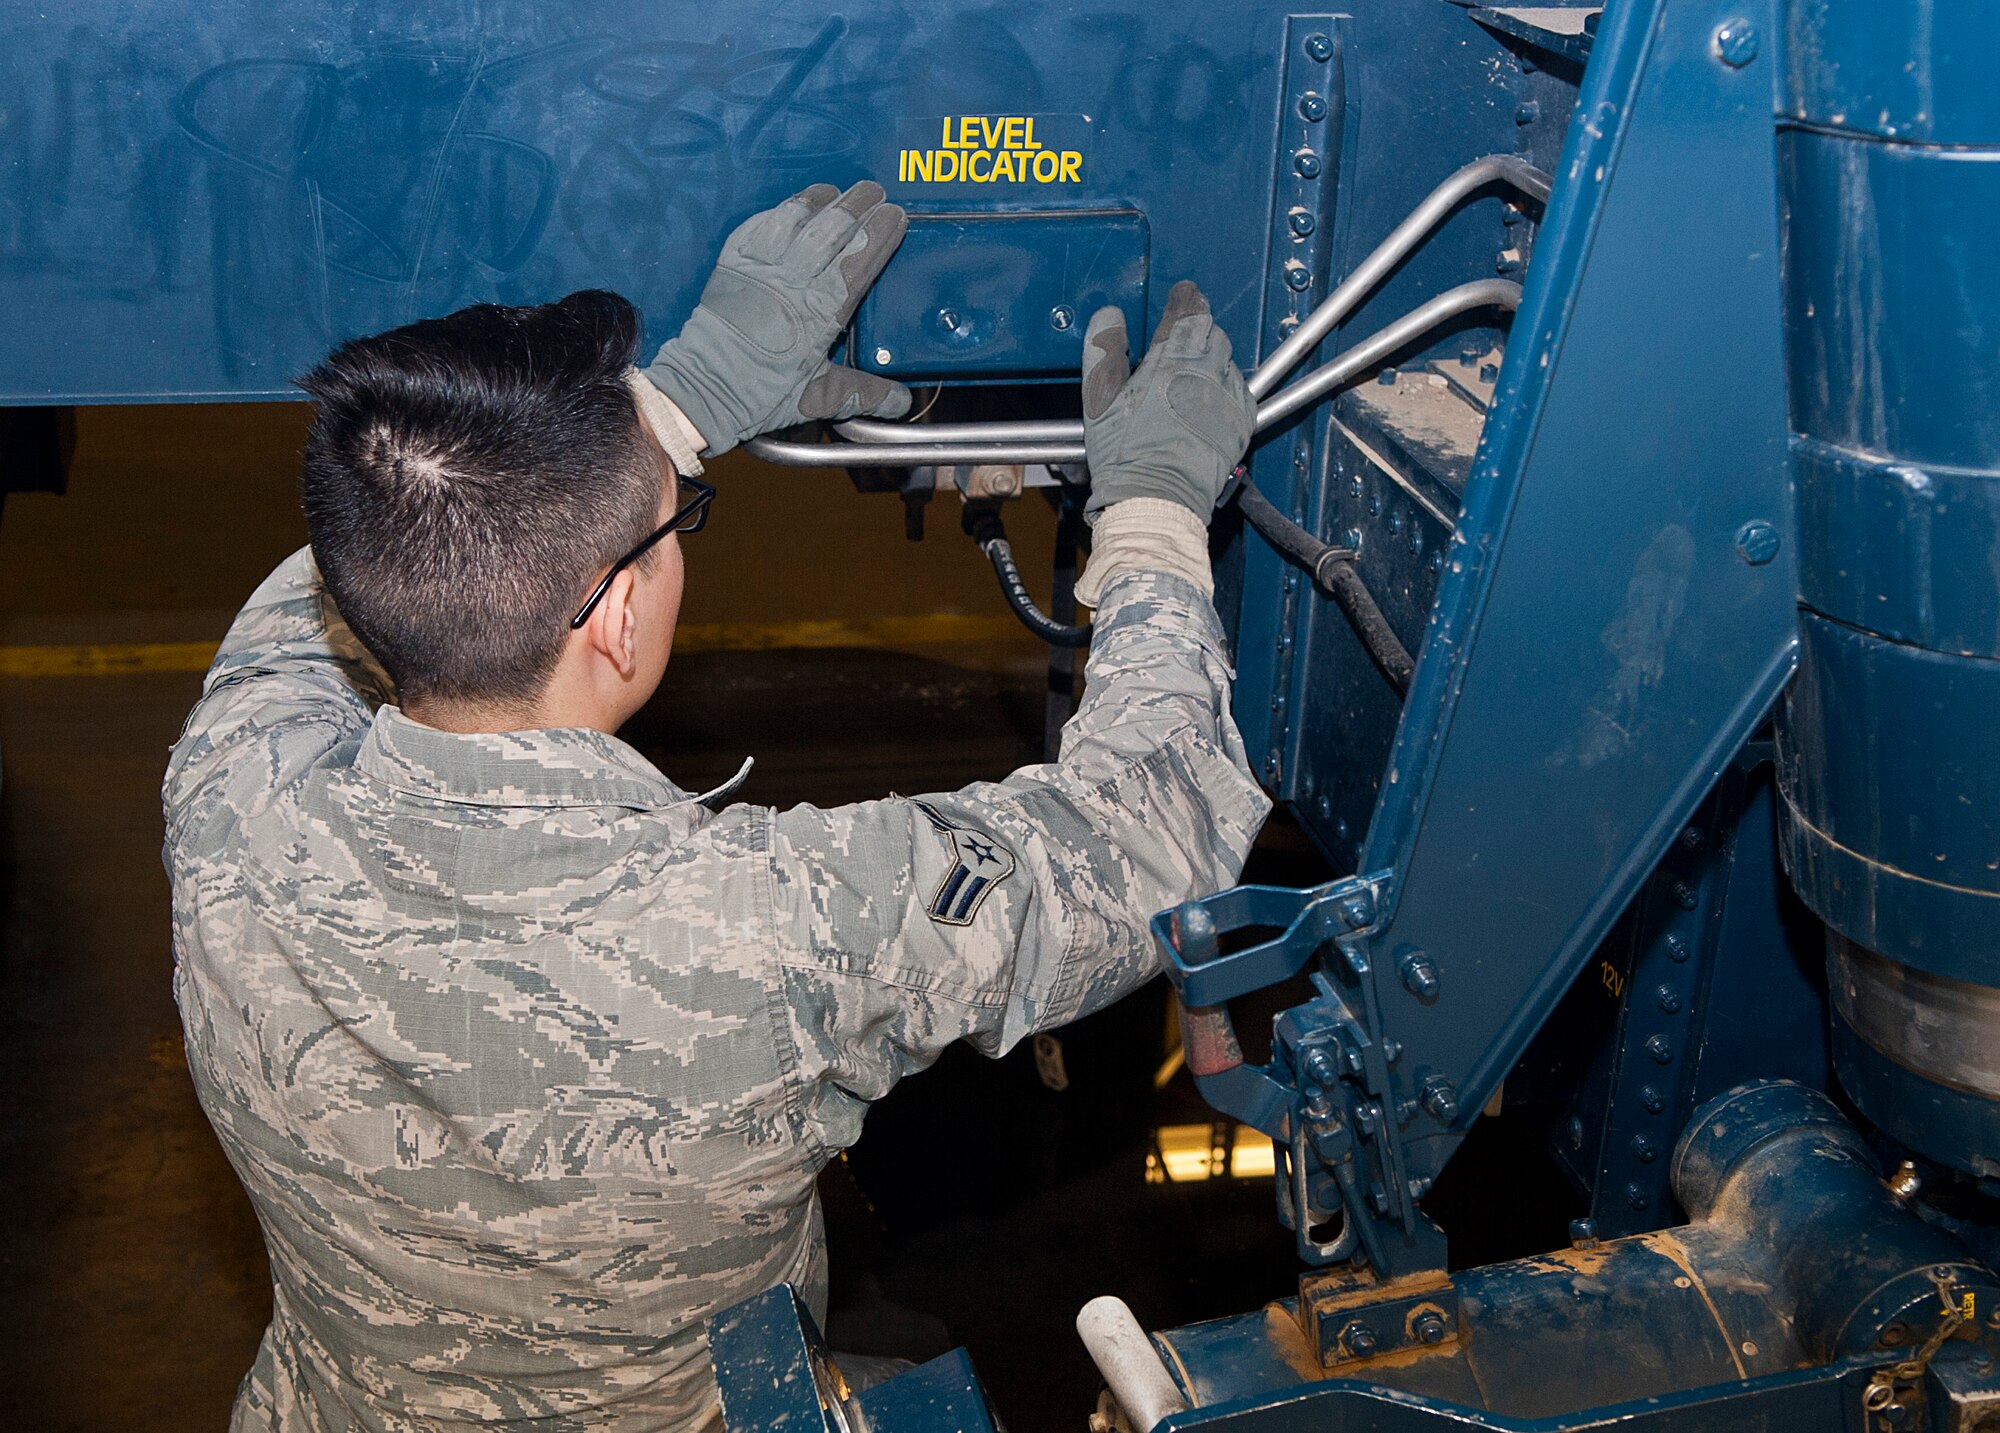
[{"x": 559, "y": 766}]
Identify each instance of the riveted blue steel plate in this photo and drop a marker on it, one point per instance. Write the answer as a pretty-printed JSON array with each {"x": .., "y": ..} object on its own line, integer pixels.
[{"x": 1002, "y": 295}]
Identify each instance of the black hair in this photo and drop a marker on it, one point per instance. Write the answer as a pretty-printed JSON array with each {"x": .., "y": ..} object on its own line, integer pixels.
[{"x": 466, "y": 479}]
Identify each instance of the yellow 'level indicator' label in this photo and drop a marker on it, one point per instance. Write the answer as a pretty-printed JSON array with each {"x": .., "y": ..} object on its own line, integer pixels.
[{"x": 990, "y": 149}]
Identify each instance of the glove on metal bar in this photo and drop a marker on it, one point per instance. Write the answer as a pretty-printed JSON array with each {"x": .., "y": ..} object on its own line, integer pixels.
[
  {"x": 1483, "y": 293},
  {"x": 1405, "y": 237}
]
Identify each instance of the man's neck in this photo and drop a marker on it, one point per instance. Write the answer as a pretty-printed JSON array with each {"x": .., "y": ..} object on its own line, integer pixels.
[{"x": 467, "y": 718}]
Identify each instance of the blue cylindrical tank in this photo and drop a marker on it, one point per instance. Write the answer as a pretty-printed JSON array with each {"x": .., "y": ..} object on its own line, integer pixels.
[{"x": 1889, "y": 739}]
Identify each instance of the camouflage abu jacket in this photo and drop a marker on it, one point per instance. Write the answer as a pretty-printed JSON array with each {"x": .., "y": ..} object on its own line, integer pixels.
[{"x": 528, "y": 1060}]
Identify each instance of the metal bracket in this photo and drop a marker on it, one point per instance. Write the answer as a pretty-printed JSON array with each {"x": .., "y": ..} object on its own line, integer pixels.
[{"x": 1354, "y": 1317}]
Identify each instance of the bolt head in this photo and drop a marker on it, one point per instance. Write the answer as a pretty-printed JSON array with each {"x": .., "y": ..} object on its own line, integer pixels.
[
  {"x": 1643, "y": 1149},
  {"x": 1527, "y": 113},
  {"x": 1359, "y": 1338},
  {"x": 1636, "y": 1196},
  {"x": 1297, "y": 277},
  {"x": 1061, "y": 317},
  {"x": 1736, "y": 43},
  {"x": 1428, "y": 1326},
  {"x": 1677, "y": 950},
  {"x": 883, "y": 357},
  {"x": 1669, "y": 999},
  {"x": 1306, "y": 164},
  {"x": 1652, "y": 1099},
  {"x": 1758, "y": 541},
  {"x": 1661, "y": 1049},
  {"x": 1357, "y": 911},
  {"x": 1312, "y": 108},
  {"x": 1302, "y": 223},
  {"x": 1319, "y": 47},
  {"x": 1489, "y": 373}
]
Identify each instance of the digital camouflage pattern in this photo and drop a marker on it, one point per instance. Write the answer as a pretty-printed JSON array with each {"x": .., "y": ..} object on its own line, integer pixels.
[{"x": 528, "y": 1060}]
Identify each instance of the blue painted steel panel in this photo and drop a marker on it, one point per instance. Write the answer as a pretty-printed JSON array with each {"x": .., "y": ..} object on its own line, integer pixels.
[
  {"x": 1591, "y": 741},
  {"x": 200, "y": 200}
]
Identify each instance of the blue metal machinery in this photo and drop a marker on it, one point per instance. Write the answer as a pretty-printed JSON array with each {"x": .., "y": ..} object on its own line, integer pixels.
[{"x": 1635, "y": 657}]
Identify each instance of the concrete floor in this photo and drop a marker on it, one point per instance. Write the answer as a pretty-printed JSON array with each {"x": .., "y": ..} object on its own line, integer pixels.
[{"x": 132, "y": 1281}]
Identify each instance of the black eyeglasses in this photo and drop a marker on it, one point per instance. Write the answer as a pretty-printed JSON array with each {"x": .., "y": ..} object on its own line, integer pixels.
[{"x": 690, "y": 516}]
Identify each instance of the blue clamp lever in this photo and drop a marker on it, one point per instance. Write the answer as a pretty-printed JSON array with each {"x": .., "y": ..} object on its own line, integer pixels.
[{"x": 1190, "y": 936}]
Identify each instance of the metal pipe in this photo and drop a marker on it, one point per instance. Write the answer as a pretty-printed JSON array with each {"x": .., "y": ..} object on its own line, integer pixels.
[
  {"x": 901, "y": 453},
  {"x": 1137, "y": 1376},
  {"x": 1415, "y": 228},
  {"x": 1483, "y": 293},
  {"x": 908, "y": 455},
  {"x": 1023, "y": 430}
]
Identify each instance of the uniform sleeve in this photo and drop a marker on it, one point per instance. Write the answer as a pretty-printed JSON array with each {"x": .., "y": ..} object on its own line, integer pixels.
[
  {"x": 290, "y": 677},
  {"x": 1009, "y": 907}
]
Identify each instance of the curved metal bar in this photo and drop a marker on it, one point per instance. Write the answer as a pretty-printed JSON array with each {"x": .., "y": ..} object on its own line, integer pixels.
[
  {"x": 1013, "y": 430},
  {"x": 1484, "y": 293},
  {"x": 1435, "y": 207},
  {"x": 1415, "y": 228},
  {"x": 908, "y": 455}
]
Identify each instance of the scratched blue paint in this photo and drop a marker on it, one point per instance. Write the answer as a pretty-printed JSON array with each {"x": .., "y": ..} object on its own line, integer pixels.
[{"x": 198, "y": 200}]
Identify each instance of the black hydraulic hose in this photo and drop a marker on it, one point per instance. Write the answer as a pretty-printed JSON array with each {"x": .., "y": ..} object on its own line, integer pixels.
[
  {"x": 982, "y": 524},
  {"x": 1332, "y": 571}
]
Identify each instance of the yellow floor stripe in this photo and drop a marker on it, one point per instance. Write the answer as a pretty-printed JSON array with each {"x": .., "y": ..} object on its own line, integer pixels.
[{"x": 109, "y": 659}]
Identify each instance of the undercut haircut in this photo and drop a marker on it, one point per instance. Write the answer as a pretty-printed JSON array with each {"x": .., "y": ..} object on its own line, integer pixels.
[{"x": 468, "y": 478}]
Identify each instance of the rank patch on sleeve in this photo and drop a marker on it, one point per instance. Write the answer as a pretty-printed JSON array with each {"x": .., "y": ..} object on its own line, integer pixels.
[{"x": 979, "y": 863}]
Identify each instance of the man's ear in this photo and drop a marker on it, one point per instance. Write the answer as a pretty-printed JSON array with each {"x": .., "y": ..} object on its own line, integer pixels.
[{"x": 613, "y": 629}]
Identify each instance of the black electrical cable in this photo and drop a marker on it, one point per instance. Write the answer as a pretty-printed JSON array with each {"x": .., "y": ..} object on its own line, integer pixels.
[
  {"x": 981, "y": 521},
  {"x": 1332, "y": 570}
]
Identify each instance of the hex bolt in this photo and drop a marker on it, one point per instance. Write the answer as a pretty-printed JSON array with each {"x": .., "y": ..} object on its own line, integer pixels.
[
  {"x": 1387, "y": 378},
  {"x": 1636, "y": 1196},
  {"x": 1440, "y": 1099},
  {"x": 1652, "y": 1099},
  {"x": 1359, "y": 1339},
  {"x": 1661, "y": 1049},
  {"x": 1319, "y": 47},
  {"x": 1306, "y": 164},
  {"x": 1508, "y": 261},
  {"x": 1428, "y": 1326},
  {"x": 1669, "y": 999},
  {"x": 1757, "y": 541},
  {"x": 1061, "y": 317},
  {"x": 1420, "y": 975},
  {"x": 1468, "y": 355},
  {"x": 1320, "y": 1068},
  {"x": 1297, "y": 277},
  {"x": 883, "y": 357},
  {"x": 1302, "y": 223},
  {"x": 1643, "y": 1149},
  {"x": 1736, "y": 43},
  {"x": 1358, "y": 910},
  {"x": 1312, "y": 109},
  {"x": 1489, "y": 373}
]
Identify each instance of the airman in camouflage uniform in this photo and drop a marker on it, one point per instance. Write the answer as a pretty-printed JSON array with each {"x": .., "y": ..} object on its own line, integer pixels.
[{"x": 528, "y": 1060}]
